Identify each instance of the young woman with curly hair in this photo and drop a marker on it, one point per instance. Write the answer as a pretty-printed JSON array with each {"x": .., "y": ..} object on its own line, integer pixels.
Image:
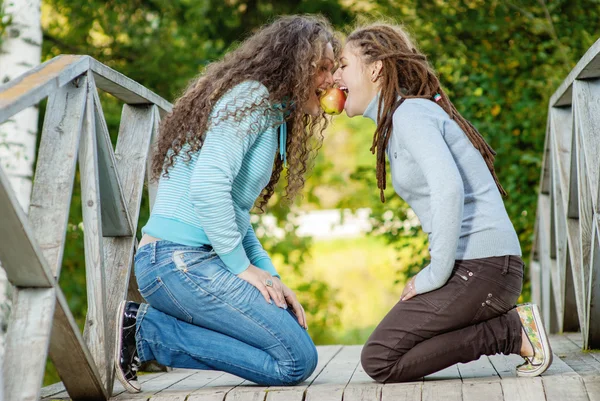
[
  {"x": 215, "y": 300},
  {"x": 462, "y": 305}
]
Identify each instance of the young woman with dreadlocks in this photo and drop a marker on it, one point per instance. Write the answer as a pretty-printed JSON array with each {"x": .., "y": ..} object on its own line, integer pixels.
[
  {"x": 462, "y": 305},
  {"x": 214, "y": 298}
]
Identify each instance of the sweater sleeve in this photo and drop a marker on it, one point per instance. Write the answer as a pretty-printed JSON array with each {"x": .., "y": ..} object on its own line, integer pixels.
[
  {"x": 220, "y": 159},
  {"x": 420, "y": 134},
  {"x": 256, "y": 253}
]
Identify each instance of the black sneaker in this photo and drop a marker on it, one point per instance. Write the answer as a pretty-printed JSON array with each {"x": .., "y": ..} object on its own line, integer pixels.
[{"x": 127, "y": 362}]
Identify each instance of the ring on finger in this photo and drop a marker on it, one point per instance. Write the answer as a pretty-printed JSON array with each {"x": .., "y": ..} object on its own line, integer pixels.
[{"x": 269, "y": 282}]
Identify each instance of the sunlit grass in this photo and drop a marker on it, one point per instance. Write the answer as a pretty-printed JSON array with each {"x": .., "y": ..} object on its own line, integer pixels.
[{"x": 363, "y": 271}]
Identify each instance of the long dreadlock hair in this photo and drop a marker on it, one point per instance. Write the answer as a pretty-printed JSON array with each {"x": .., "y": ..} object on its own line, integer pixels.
[{"x": 406, "y": 74}]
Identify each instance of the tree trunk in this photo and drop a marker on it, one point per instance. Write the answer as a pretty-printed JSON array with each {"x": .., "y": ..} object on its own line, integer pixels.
[{"x": 20, "y": 51}]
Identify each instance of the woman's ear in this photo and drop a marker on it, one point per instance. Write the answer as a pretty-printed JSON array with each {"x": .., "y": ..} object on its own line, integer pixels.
[{"x": 376, "y": 68}]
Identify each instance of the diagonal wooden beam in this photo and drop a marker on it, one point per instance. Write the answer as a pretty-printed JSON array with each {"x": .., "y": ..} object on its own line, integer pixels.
[
  {"x": 561, "y": 135},
  {"x": 72, "y": 358},
  {"x": 55, "y": 172},
  {"x": 20, "y": 255},
  {"x": 593, "y": 340},
  {"x": 586, "y": 103},
  {"x": 585, "y": 217},
  {"x": 115, "y": 217}
]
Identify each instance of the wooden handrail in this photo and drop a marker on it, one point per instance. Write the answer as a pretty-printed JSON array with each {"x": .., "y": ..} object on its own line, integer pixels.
[
  {"x": 565, "y": 262},
  {"x": 31, "y": 247}
]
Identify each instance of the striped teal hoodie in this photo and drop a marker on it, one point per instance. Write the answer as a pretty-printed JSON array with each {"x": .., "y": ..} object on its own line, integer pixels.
[{"x": 207, "y": 200}]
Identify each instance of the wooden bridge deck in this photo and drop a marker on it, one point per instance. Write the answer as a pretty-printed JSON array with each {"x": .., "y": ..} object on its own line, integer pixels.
[{"x": 573, "y": 376}]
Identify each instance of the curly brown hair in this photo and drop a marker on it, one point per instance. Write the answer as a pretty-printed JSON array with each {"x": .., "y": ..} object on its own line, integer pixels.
[
  {"x": 283, "y": 56},
  {"x": 406, "y": 74}
]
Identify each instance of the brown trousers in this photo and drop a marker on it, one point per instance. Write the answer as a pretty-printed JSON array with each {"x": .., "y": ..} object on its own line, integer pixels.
[{"x": 471, "y": 315}]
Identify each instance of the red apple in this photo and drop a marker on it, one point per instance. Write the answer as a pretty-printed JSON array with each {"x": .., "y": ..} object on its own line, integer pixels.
[{"x": 333, "y": 100}]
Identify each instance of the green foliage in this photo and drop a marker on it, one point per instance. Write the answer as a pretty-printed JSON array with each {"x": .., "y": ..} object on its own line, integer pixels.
[{"x": 4, "y": 21}]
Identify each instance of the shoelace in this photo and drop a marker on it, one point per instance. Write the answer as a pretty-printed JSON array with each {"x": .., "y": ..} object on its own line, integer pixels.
[{"x": 136, "y": 364}]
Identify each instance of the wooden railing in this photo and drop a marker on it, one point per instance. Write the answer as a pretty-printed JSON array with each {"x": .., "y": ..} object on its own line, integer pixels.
[
  {"x": 565, "y": 263},
  {"x": 31, "y": 247}
]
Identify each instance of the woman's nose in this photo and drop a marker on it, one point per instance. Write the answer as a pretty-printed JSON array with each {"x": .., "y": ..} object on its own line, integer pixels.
[
  {"x": 329, "y": 79},
  {"x": 337, "y": 75}
]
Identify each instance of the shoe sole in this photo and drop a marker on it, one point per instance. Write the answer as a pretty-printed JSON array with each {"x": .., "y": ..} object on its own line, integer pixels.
[
  {"x": 118, "y": 344},
  {"x": 545, "y": 346}
]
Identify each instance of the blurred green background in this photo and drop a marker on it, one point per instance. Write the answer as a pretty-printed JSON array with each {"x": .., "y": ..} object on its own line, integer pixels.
[{"x": 499, "y": 61}]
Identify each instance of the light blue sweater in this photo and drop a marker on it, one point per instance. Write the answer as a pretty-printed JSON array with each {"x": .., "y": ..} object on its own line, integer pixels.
[
  {"x": 440, "y": 174},
  {"x": 208, "y": 199}
]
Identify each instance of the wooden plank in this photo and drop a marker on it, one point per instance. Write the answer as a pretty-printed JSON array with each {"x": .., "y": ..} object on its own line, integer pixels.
[
  {"x": 31, "y": 315},
  {"x": 326, "y": 354},
  {"x": 566, "y": 309},
  {"x": 594, "y": 289},
  {"x": 587, "y": 67},
  {"x": 570, "y": 313},
  {"x": 152, "y": 184},
  {"x": 117, "y": 388},
  {"x": 488, "y": 391},
  {"x": 362, "y": 387},
  {"x": 55, "y": 172},
  {"x": 574, "y": 250},
  {"x": 20, "y": 255},
  {"x": 130, "y": 156},
  {"x": 445, "y": 384},
  {"x": 402, "y": 392},
  {"x": 535, "y": 276},
  {"x": 573, "y": 194},
  {"x": 523, "y": 389},
  {"x": 449, "y": 373},
  {"x": 548, "y": 265},
  {"x": 247, "y": 392},
  {"x": 115, "y": 218},
  {"x": 95, "y": 332},
  {"x": 181, "y": 389},
  {"x": 217, "y": 389},
  {"x": 155, "y": 386},
  {"x": 449, "y": 390},
  {"x": 482, "y": 390},
  {"x": 36, "y": 84},
  {"x": 71, "y": 356},
  {"x": 546, "y": 157},
  {"x": 586, "y": 105},
  {"x": 562, "y": 140},
  {"x": 481, "y": 369},
  {"x": 562, "y": 383},
  {"x": 125, "y": 88},
  {"x": 559, "y": 244},
  {"x": 330, "y": 384},
  {"x": 592, "y": 387},
  {"x": 53, "y": 390},
  {"x": 585, "y": 221},
  {"x": 505, "y": 365}
]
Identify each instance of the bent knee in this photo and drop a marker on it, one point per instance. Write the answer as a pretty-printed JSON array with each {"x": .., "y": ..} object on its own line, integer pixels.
[
  {"x": 300, "y": 368},
  {"x": 375, "y": 363}
]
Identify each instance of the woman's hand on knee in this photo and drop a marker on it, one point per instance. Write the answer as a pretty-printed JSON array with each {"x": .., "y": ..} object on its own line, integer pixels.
[
  {"x": 292, "y": 301},
  {"x": 269, "y": 286},
  {"x": 409, "y": 290}
]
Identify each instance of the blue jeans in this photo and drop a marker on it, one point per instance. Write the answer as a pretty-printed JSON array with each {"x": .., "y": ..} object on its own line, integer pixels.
[{"x": 201, "y": 316}]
